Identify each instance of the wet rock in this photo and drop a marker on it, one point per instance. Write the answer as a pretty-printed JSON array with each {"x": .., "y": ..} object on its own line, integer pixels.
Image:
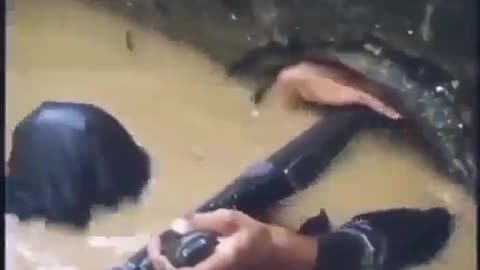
[{"x": 442, "y": 32}]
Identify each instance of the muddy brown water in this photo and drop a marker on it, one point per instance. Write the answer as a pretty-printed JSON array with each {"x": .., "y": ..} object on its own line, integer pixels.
[{"x": 201, "y": 130}]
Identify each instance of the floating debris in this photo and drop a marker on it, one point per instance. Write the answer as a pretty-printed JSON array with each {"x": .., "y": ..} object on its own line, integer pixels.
[
  {"x": 255, "y": 113},
  {"x": 405, "y": 81},
  {"x": 455, "y": 84},
  {"x": 119, "y": 244},
  {"x": 439, "y": 89},
  {"x": 233, "y": 17},
  {"x": 425, "y": 26},
  {"x": 373, "y": 49},
  {"x": 129, "y": 40},
  {"x": 410, "y": 32},
  {"x": 198, "y": 153},
  {"x": 442, "y": 194}
]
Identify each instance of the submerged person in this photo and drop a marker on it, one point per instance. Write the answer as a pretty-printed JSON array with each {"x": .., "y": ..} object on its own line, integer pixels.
[{"x": 65, "y": 159}]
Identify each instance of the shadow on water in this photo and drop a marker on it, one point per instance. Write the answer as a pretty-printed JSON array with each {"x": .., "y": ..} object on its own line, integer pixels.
[{"x": 201, "y": 130}]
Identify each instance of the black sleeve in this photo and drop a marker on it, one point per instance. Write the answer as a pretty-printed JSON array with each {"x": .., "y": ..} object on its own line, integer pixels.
[{"x": 340, "y": 251}]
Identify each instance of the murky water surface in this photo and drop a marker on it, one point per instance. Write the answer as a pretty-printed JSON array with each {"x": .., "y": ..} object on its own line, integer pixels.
[{"x": 199, "y": 127}]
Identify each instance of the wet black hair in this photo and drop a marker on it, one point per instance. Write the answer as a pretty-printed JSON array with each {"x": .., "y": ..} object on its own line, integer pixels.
[{"x": 67, "y": 158}]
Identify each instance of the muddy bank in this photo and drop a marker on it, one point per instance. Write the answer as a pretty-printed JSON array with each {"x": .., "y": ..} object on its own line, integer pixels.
[{"x": 441, "y": 32}]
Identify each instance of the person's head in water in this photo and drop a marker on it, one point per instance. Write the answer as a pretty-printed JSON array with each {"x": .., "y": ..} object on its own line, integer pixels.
[{"x": 67, "y": 158}]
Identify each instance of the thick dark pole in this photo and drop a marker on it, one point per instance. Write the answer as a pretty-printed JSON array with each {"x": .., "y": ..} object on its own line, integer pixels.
[{"x": 290, "y": 169}]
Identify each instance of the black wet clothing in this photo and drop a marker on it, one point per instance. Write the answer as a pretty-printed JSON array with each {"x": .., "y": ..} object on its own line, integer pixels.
[{"x": 354, "y": 246}]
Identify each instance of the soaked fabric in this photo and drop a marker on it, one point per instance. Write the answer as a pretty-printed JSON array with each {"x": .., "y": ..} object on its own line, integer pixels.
[{"x": 375, "y": 243}]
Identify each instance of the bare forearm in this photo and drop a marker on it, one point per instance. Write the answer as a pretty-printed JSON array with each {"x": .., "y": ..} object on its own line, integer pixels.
[{"x": 293, "y": 251}]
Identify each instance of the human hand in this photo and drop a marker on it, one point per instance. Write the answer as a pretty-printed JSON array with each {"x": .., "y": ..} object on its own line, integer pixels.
[
  {"x": 328, "y": 85},
  {"x": 245, "y": 244}
]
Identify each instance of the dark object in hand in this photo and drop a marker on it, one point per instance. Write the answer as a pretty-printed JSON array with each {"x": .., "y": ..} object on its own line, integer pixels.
[
  {"x": 292, "y": 168},
  {"x": 189, "y": 249}
]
